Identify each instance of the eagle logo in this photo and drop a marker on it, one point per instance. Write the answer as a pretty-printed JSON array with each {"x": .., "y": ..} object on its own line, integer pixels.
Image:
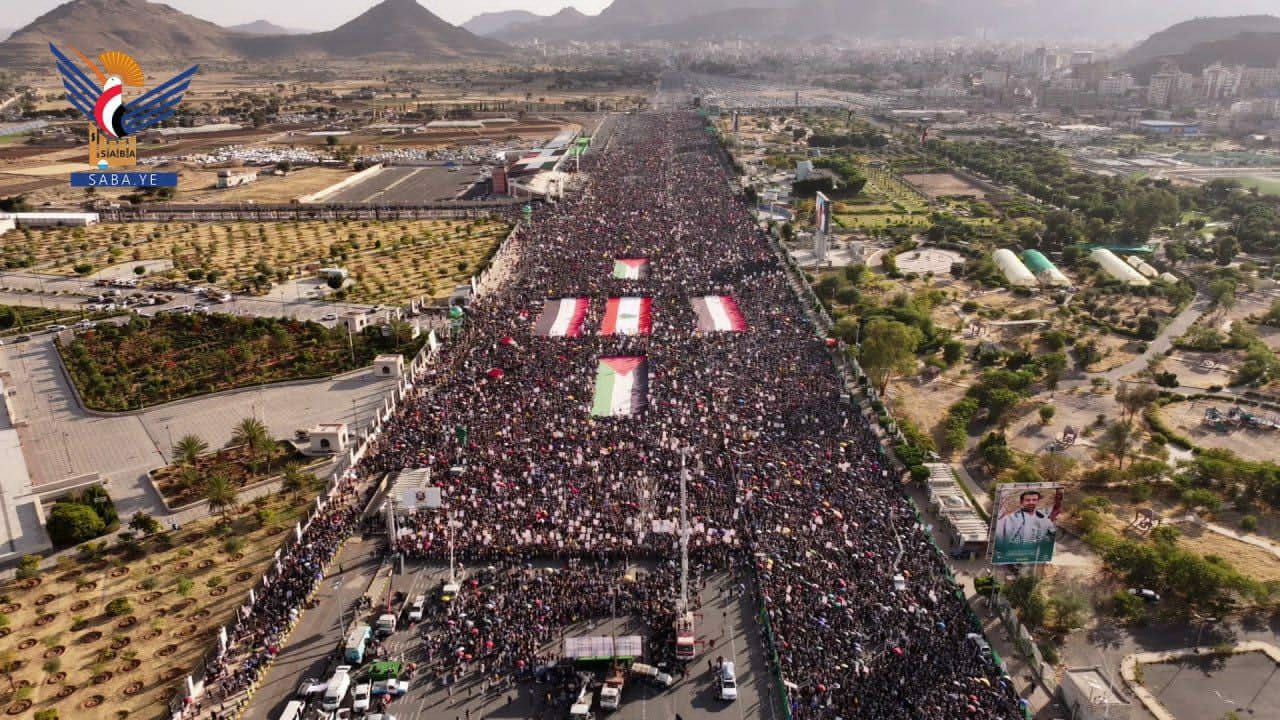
[{"x": 103, "y": 101}]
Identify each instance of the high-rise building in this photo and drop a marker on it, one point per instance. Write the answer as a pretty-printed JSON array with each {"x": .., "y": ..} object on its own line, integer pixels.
[
  {"x": 1119, "y": 84},
  {"x": 1168, "y": 87},
  {"x": 1081, "y": 57},
  {"x": 1221, "y": 81}
]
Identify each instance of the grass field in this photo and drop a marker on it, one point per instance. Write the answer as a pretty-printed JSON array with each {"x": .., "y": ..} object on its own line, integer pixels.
[
  {"x": 1264, "y": 185},
  {"x": 389, "y": 261},
  {"x": 181, "y": 586}
]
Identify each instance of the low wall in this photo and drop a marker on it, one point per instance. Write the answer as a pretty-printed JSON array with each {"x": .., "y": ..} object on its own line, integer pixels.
[{"x": 325, "y": 194}]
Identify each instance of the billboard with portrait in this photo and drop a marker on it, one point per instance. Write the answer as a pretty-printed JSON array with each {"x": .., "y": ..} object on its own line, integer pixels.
[
  {"x": 822, "y": 214},
  {"x": 1025, "y": 523}
]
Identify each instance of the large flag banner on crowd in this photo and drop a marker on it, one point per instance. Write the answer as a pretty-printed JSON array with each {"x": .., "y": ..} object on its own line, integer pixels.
[
  {"x": 1025, "y": 523},
  {"x": 622, "y": 384},
  {"x": 562, "y": 318},
  {"x": 718, "y": 313},
  {"x": 628, "y": 316},
  {"x": 630, "y": 268}
]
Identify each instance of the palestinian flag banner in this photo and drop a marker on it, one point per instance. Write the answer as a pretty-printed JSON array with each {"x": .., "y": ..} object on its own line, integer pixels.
[
  {"x": 718, "y": 313},
  {"x": 622, "y": 386},
  {"x": 630, "y": 268},
  {"x": 561, "y": 318},
  {"x": 627, "y": 316}
]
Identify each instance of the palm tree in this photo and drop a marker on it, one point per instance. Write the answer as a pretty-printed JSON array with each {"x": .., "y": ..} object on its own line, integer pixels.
[
  {"x": 252, "y": 434},
  {"x": 295, "y": 481},
  {"x": 188, "y": 448},
  {"x": 221, "y": 493}
]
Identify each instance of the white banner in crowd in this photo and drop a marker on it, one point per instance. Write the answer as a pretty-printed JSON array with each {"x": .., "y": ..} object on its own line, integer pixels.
[
  {"x": 222, "y": 638},
  {"x": 297, "y": 531}
]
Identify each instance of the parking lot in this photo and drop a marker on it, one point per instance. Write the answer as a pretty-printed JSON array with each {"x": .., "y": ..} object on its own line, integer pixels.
[
  {"x": 412, "y": 185},
  {"x": 726, "y": 629}
]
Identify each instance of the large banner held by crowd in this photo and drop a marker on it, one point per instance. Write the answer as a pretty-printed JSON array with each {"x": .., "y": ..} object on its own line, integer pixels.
[{"x": 1025, "y": 526}]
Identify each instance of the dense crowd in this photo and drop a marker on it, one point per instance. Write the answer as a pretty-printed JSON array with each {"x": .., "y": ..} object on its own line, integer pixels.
[
  {"x": 300, "y": 567},
  {"x": 782, "y": 473}
]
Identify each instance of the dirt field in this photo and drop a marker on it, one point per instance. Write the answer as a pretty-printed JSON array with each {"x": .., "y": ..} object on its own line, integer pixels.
[
  {"x": 200, "y": 186},
  {"x": 106, "y": 666},
  {"x": 926, "y": 404},
  {"x": 937, "y": 185},
  {"x": 1252, "y": 561},
  {"x": 1187, "y": 418},
  {"x": 1203, "y": 370},
  {"x": 389, "y": 261}
]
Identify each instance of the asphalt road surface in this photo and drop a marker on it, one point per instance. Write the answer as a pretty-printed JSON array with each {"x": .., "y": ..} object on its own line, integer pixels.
[
  {"x": 411, "y": 185},
  {"x": 1247, "y": 684},
  {"x": 726, "y": 628}
]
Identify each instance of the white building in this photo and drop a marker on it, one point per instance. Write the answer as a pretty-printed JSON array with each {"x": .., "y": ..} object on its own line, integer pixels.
[
  {"x": 1169, "y": 87},
  {"x": 1220, "y": 81},
  {"x": 234, "y": 178},
  {"x": 51, "y": 219},
  {"x": 385, "y": 366},
  {"x": 329, "y": 438},
  {"x": 1116, "y": 84}
]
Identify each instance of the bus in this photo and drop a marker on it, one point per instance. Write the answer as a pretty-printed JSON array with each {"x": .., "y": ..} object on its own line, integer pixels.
[{"x": 356, "y": 641}]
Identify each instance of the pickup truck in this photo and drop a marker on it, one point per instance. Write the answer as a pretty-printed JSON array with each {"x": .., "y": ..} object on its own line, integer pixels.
[{"x": 611, "y": 693}]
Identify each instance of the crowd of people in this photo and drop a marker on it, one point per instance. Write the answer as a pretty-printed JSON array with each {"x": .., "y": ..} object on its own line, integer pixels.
[
  {"x": 256, "y": 636},
  {"x": 782, "y": 474}
]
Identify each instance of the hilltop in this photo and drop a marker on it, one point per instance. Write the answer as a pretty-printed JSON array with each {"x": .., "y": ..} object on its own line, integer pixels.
[
  {"x": 1184, "y": 36},
  {"x": 264, "y": 27},
  {"x": 399, "y": 28},
  {"x": 492, "y": 23}
]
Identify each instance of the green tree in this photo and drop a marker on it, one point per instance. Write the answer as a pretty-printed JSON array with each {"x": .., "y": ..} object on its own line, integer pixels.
[
  {"x": 252, "y": 434},
  {"x": 119, "y": 606},
  {"x": 888, "y": 348},
  {"x": 1133, "y": 399},
  {"x": 1225, "y": 248},
  {"x": 71, "y": 524},
  {"x": 188, "y": 449},
  {"x": 295, "y": 480},
  {"x": 28, "y": 567},
  {"x": 1046, "y": 413},
  {"x": 144, "y": 523},
  {"x": 1117, "y": 442},
  {"x": 1055, "y": 467},
  {"x": 999, "y": 402},
  {"x": 952, "y": 351},
  {"x": 221, "y": 494}
]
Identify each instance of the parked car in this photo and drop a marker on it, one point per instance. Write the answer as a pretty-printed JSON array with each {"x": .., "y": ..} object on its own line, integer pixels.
[
  {"x": 329, "y": 317},
  {"x": 1147, "y": 594},
  {"x": 391, "y": 687},
  {"x": 85, "y": 325},
  {"x": 22, "y": 338},
  {"x": 360, "y": 697},
  {"x": 56, "y": 328}
]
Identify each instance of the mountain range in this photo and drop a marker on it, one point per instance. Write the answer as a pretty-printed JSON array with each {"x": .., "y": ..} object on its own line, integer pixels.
[
  {"x": 491, "y": 23},
  {"x": 1186, "y": 36},
  {"x": 264, "y": 27},
  {"x": 1035, "y": 20},
  {"x": 157, "y": 33}
]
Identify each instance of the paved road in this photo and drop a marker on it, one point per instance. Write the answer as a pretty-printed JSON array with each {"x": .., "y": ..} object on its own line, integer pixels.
[
  {"x": 729, "y": 623},
  {"x": 1156, "y": 348},
  {"x": 313, "y": 642}
]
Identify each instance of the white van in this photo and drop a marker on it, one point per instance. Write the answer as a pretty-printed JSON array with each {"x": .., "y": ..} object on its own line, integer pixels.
[
  {"x": 728, "y": 682},
  {"x": 293, "y": 710},
  {"x": 336, "y": 689}
]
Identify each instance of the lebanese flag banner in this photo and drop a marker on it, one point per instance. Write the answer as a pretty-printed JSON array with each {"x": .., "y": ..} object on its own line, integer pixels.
[
  {"x": 628, "y": 316},
  {"x": 622, "y": 385},
  {"x": 630, "y": 268},
  {"x": 561, "y": 318},
  {"x": 718, "y": 313}
]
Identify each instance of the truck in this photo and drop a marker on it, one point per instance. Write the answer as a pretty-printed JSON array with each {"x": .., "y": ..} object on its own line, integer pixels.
[
  {"x": 581, "y": 711},
  {"x": 611, "y": 693},
  {"x": 357, "y": 639},
  {"x": 336, "y": 689},
  {"x": 684, "y": 637}
]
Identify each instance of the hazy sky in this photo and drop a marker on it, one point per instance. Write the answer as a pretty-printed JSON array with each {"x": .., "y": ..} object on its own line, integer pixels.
[{"x": 311, "y": 14}]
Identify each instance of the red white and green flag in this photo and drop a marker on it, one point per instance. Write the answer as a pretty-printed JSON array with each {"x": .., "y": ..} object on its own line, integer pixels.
[
  {"x": 622, "y": 386},
  {"x": 630, "y": 268},
  {"x": 627, "y": 316},
  {"x": 561, "y": 318},
  {"x": 718, "y": 313}
]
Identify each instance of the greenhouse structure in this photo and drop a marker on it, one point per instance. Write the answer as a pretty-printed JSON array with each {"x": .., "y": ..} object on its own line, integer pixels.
[
  {"x": 1117, "y": 268},
  {"x": 1014, "y": 271},
  {"x": 1045, "y": 271}
]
